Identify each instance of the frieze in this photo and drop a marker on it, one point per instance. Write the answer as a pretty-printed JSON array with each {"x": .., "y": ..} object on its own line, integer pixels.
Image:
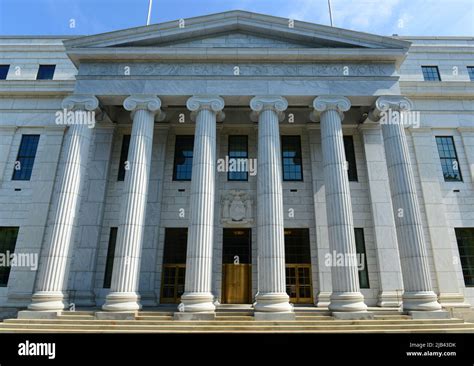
[{"x": 237, "y": 69}]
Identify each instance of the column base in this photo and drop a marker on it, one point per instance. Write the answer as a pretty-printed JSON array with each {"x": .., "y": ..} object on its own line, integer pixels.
[
  {"x": 452, "y": 300},
  {"x": 273, "y": 302},
  {"x": 390, "y": 299},
  {"x": 197, "y": 302},
  {"x": 347, "y": 302},
  {"x": 420, "y": 301},
  {"x": 122, "y": 302},
  {"x": 47, "y": 301},
  {"x": 323, "y": 299}
]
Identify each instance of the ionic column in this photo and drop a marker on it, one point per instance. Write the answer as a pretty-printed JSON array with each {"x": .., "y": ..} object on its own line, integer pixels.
[
  {"x": 418, "y": 293},
  {"x": 346, "y": 296},
  {"x": 123, "y": 295},
  {"x": 53, "y": 273},
  {"x": 197, "y": 297},
  {"x": 271, "y": 297}
]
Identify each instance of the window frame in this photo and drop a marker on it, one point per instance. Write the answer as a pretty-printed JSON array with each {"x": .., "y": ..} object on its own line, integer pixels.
[
  {"x": 175, "y": 177},
  {"x": 352, "y": 173},
  {"x": 429, "y": 72},
  {"x": 41, "y": 69},
  {"x": 470, "y": 72},
  {"x": 17, "y": 175},
  {"x": 5, "y": 271},
  {"x": 455, "y": 158},
  {"x": 298, "y": 138},
  {"x": 109, "y": 259},
  {"x": 469, "y": 266},
  {"x": 363, "y": 272},
  {"x": 229, "y": 179},
  {"x": 124, "y": 149},
  {"x": 7, "y": 67}
]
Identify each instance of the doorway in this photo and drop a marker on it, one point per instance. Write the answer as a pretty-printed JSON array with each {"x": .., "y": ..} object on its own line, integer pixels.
[
  {"x": 174, "y": 265},
  {"x": 236, "y": 266},
  {"x": 298, "y": 266}
]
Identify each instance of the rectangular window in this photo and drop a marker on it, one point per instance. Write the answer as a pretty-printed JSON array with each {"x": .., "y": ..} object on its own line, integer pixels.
[
  {"x": 291, "y": 158},
  {"x": 4, "y": 71},
  {"x": 183, "y": 157},
  {"x": 361, "y": 258},
  {"x": 350, "y": 158},
  {"x": 465, "y": 239},
  {"x": 297, "y": 248},
  {"x": 431, "y": 73},
  {"x": 8, "y": 236},
  {"x": 470, "y": 71},
  {"x": 449, "y": 159},
  {"x": 45, "y": 72},
  {"x": 238, "y": 158},
  {"x": 26, "y": 157},
  {"x": 123, "y": 157},
  {"x": 109, "y": 264}
]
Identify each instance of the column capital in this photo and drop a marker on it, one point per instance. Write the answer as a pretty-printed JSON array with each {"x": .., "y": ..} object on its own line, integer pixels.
[
  {"x": 147, "y": 102},
  {"x": 386, "y": 102},
  {"x": 213, "y": 103},
  {"x": 86, "y": 102},
  {"x": 325, "y": 103},
  {"x": 260, "y": 103}
]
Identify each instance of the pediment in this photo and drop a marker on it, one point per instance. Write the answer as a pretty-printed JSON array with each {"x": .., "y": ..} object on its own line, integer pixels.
[{"x": 236, "y": 29}]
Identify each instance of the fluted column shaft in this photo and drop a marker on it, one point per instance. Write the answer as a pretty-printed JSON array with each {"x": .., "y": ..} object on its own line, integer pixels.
[
  {"x": 418, "y": 293},
  {"x": 271, "y": 296},
  {"x": 198, "y": 281},
  {"x": 53, "y": 272},
  {"x": 123, "y": 294},
  {"x": 346, "y": 294}
]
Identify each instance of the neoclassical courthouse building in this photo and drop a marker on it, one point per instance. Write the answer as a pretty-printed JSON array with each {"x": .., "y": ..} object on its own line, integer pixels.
[{"x": 236, "y": 158}]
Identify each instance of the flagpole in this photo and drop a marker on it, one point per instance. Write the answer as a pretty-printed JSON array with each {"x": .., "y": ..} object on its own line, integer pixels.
[
  {"x": 150, "y": 4},
  {"x": 330, "y": 11}
]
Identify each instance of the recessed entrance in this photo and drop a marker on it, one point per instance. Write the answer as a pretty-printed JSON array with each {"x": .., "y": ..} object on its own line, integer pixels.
[
  {"x": 298, "y": 266},
  {"x": 174, "y": 265},
  {"x": 236, "y": 266}
]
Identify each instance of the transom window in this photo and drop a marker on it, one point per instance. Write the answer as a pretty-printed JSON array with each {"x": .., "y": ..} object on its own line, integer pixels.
[
  {"x": 449, "y": 159},
  {"x": 238, "y": 154},
  {"x": 45, "y": 72},
  {"x": 4, "y": 71},
  {"x": 8, "y": 236},
  {"x": 465, "y": 239},
  {"x": 26, "y": 157},
  {"x": 431, "y": 73},
  {"x": 291, "y": 158},
  {"x": 470, "y": 71},
  {"x": 350, "y": 158},
  {"x": 183, "y": 157}
]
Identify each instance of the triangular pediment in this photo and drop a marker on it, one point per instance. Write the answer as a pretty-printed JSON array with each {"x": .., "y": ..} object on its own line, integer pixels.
[{"x": 236, "y": 29}]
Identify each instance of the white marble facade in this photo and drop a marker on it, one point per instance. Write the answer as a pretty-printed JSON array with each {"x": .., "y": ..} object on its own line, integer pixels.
[{"x": 236, "y": 73}]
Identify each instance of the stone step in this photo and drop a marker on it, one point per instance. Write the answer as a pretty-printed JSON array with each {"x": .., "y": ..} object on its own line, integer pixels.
[
  {"x": 298, "y": 328},
  {"x": 232, "y": 322}
]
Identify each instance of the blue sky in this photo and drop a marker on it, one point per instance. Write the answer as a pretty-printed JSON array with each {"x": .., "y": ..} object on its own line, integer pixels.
[{"x": 384, "y": 17}]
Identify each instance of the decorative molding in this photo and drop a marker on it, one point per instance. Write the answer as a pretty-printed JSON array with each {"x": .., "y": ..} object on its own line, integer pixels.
[
  {"x": 329, "y": 69},
  {"x": 236, "y": 208},
  {"x": 80, "y": 102},
  {"x": 212, "y": 103},
  {"x": 325, "y": 103},
  {"x": 261, "y": 103}
]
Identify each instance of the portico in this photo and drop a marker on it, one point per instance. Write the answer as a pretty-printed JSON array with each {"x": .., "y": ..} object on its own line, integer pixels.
[{"x": 159, "y": 81}]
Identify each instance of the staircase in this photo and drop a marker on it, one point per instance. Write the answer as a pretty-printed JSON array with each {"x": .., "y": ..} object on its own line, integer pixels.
[{"x": 228, "y": 320}]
